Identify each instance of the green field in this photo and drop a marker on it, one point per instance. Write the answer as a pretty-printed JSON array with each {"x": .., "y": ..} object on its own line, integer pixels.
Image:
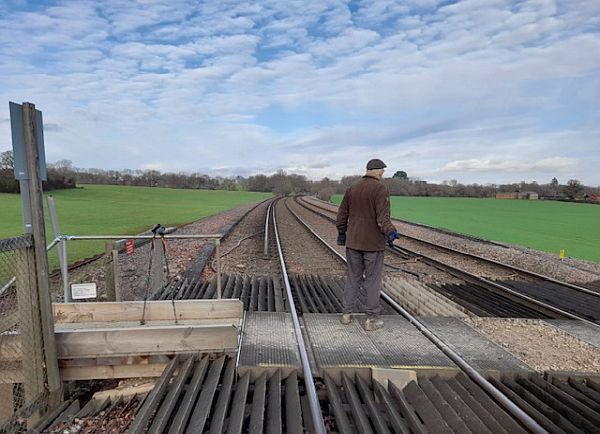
[
  {"x": 542, "y": 225},
  {"x": 117, "y": 210}
]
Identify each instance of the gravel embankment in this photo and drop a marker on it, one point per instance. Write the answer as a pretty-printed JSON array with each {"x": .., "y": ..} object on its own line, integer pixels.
[{"x": 540, "y": 345}]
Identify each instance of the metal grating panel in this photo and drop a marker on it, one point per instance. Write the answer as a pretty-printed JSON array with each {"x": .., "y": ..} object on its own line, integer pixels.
[
  {"x": 269, "y": 341},
  {"x": 581, "y": 330},
  {"x": 402, "y": 345},
  {"x": 337, "y": 345},
  {"x": 476, "y": 349}
]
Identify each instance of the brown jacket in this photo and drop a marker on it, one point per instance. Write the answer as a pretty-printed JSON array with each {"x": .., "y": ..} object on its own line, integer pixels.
[{"x": 364, "y": 215}]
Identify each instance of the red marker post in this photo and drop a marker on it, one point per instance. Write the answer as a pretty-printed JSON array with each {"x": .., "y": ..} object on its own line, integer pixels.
[{"x": 129, "y": 247}]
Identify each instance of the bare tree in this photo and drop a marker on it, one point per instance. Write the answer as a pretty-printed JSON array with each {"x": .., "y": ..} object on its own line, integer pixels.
[
  {"x": 573, "y": 188},
  {"x": 8, "y": 184},
  {"x": 7, "y": 160},
  {"x": 326, "y": 189}
]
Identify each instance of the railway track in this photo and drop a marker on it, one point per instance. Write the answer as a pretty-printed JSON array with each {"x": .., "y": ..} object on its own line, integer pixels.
[
  {"x": 526, "y": 294},
  {"x": 205, "y": 394},
  {"x": 327, "y": 206},
  {"x": 254, "y": 292},
  {"x": 376, "y": 419}
]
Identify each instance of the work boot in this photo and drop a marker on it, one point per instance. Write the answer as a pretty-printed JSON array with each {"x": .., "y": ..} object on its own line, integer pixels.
[
  {"x": 346, "y": 318},
  {"x": 373, "y": 324}
]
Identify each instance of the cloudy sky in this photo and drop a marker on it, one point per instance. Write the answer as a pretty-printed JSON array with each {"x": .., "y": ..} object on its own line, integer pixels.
[{"x": 485, "y": 91}]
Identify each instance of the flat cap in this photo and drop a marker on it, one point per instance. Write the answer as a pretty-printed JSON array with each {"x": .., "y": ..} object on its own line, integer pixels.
[{"x": 375, "y": 163}]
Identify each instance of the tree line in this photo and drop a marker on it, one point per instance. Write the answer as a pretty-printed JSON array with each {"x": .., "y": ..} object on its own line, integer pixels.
[
  {"x": 63, "y": 174},
  {"x": 57, "y": 179},
  {"x": 401, "y": 185}
]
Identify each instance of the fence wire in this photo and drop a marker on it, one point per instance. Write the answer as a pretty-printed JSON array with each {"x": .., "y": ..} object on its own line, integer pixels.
[
  {"x": 23, "y": 378},
  {"x": 119, "y": 274},
  {"x": 152, "y": 266},
  {"x": 133, "y": 269}
]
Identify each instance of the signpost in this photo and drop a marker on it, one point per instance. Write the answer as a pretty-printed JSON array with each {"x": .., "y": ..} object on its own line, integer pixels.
[
  {"x": 30, "y": 170},
  {"x": 20, "y": 156}
]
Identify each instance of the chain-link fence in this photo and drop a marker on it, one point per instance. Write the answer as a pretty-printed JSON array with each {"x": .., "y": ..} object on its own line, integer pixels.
[
  {"x": 131, "y": 269},
  {"x": 23, "y": 377}
]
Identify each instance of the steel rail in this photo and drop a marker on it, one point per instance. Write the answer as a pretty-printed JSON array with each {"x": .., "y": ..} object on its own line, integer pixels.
[
  {"x": 313, "y": 400},
  {"x": 474, "y": 256},
  {"x": 469, "y": 276},
  {"x": 528, "y": 299},
  {"x": 508, "y": 266},
  {"x": 510, "y": 406},
  {"x": 337, "y": 254},
  {"x": 266, "y": 244}
]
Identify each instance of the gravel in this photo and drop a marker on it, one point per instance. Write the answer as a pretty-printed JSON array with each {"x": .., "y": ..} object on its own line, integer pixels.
[
  {"x": 181, "y": 254},
  {"x": 242, "y": 250},
  {"x": 116, "y": 420},
  {"x": 304, "y": 253},
  {"x": 540, "y": 344}
]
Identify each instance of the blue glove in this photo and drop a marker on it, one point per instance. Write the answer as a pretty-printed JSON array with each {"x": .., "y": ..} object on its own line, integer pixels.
[
  {"x": 394, "y": 235},
  {"x": 341, "y": 239}
]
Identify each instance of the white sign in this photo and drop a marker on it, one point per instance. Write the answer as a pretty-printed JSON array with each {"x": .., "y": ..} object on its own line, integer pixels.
[{"x": 83, "y": 290}]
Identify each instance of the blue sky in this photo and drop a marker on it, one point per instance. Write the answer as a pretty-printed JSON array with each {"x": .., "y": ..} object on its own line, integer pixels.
[{"x": 479, "y": 91}]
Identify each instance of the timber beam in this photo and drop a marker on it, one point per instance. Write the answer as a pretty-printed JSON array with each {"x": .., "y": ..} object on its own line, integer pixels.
[{"x": 106, "y": 340}]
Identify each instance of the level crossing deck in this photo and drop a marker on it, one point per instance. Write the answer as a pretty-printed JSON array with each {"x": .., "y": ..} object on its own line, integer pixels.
[{"x": 268, "y": 341}]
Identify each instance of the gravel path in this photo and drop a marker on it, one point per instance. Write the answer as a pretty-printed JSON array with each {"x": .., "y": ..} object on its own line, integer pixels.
[
  {"x": 540, "y": 345},
  {"x": 570, "y": 270}
]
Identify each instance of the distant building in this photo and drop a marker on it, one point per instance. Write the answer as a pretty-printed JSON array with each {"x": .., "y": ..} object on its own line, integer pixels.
[
  {"x": 528, "y": 195},
  {"x": 507, "y": 195},
  {"x": 525, "y": 195}
]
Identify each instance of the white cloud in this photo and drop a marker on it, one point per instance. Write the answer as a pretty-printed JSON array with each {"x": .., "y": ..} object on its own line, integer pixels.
[
  {"x": 479, "y": 88},
  {"x": 501, "y": 165}
]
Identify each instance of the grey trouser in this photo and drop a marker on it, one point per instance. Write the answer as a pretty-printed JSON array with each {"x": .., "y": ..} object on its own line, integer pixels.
[{"x": 365, "y": 269}]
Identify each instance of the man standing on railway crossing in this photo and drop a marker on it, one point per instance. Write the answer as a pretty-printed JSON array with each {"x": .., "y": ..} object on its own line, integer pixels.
[{"x": 364, "y": 226}]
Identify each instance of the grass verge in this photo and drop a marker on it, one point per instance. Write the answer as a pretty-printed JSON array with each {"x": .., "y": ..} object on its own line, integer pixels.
[{"x": 117, "y": 210}]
